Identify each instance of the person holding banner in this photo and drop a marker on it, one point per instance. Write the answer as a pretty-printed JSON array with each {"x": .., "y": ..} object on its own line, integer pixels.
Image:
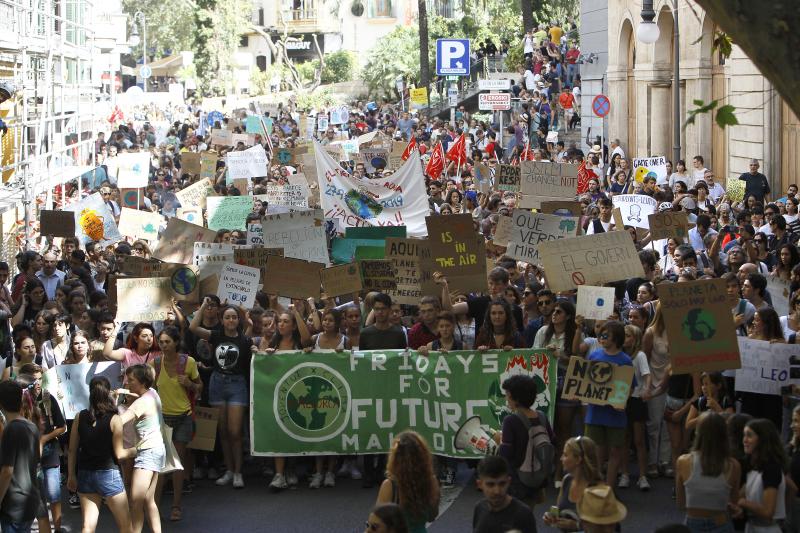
[
  {"x": 149, "y": 454},
  {"x": 92, "y": 467},
  {"x": 231, "y": 352}
]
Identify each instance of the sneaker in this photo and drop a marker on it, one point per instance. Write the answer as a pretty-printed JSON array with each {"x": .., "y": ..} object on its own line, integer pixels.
[
  {"x": 345, "y": 469},
  {"x": 268, "y": 471},
  {"x": 225, "y": 479},
  {"x": 557, "y": 483},
  {"x": 669, "y": 472},
  {"x": 212, "y": 473},
  {"x": 238, "y": 481},
  {"x": 316, "y": 481},
  {"x": 624, "y": 481},
  {"x": 330, "y": 479},
  {"x": 74, "y": 500},
  {"x": 643, "y": 484},
  {"x": 652, "y": 471},
  {"x": 199, "y": 473},
  {"x": 291, "y": 479},
  {"x": 355, "y": 473},
  {"x": 278, "y": 483}
]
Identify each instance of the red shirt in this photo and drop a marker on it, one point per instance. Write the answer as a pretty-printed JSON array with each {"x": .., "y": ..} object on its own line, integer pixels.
[
  {"x": 566, "y": 100},
  {"x": 573, "y": 55},
  {"x": 420, "y": 335}
]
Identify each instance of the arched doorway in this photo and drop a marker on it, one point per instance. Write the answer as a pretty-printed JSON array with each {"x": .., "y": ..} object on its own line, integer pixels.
[{"x": 627, "y": 58}]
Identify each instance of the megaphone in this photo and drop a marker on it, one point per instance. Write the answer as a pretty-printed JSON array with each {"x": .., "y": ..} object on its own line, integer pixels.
[{"x": 472, "y": 435}]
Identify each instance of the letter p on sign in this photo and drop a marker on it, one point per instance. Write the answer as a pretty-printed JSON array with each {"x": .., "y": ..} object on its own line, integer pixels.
[{"x": 452, "y": 57}]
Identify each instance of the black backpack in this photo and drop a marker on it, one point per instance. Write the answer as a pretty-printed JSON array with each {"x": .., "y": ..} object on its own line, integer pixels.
[{"x": 539, "y": 462}]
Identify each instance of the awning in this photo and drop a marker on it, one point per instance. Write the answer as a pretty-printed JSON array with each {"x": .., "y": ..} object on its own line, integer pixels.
[{"x": 167, "y": 66}]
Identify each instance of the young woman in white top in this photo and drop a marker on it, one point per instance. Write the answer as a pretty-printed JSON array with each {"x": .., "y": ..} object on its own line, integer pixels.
[{"x": 636, "y": 408}]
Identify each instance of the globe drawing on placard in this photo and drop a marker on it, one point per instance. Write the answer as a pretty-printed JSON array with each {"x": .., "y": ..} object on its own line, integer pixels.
[
  {"x": 183, "y": 281},
  {"x": 362, "y": 205},
  {"x": 601, "y": 371},
  {"x": 313, "y": 403},
  {"x": 699, "y": 325}
]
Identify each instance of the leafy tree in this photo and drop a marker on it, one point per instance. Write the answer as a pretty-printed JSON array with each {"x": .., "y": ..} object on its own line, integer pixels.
[
  {"x": 396, "y": 54},
  {"x": 339, "y": 66}
]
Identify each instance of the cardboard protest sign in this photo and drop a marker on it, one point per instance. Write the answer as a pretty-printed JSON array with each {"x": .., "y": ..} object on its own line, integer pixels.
[
  {"x": 238, "y": 285},
  {"x": 255, "y": 257},
  {"x": 94, "y": 221},
  {"x": 700, "y": 328},
  {"x": 377, "y": 275},
  {"x": 249, "y": 163},
  {"x": 205, "y": 423},
  {"x": 616, "y": 216},
  {"x": 293, "y": 278},
  {"x": 595, "y": 303},
  {"x": 143, "y": 299},
  {"x": 139, "y": 224},
  {"x": 455, "y": 251},
  {"x": 133, "y": 169},
  {"x": 138, "y": 267},
  {"x": 541, "y": 182},
  {"x": 255, "y": 233},
  {"x": 734, "y": 188},
  {"x": 531, "y": 229},
  {"x": 767, "y": 367},
  {"x": 131, "y": 198},
  {"x": 779, "y": 290},
  {"x": 246, "y": 139},
  {"x": 508, "y": 178},
  {"x": 211, "y": 257},
  {"x": 562, "y": 208},
  {"x": 635, "y": 209},
  {"x": 503, "y": 230},
  {"x": 229, "y": 212},
  {"x": 176, "y": 244},
  {"x": 195, "y": 194},
  {"x": 301, "y": 234},
  {"x": 69, "y": 384},
  {"x": 222, "y": 137},
  {"x": 208, "y": 165},
  {"x": 284, "y": 156},
  {"x": 669, "y": 224},
  {"x": 598, "y": 382},
  {"x": 650, "y": 167},
  {"x": 339, "y": 280},
  {"x": 590, "y": 260},
  {"x": 192, "y": 215},
  {"x": 57, "y": 223},
  {"x": 288, "y": 195},
  {"x": 404, "y": 255},
  {"x": 190, "y": 163}
]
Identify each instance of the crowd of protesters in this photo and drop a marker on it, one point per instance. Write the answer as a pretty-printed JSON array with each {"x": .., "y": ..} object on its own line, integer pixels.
[{"x": 734, "y": 455}]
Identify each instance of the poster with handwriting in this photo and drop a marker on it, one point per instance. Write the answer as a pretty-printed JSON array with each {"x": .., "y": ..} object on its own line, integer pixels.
[
  {"x": 238, "y": 285},
  {"x": 529, "y": 230},
  {"x": 546, "y": 181},
  {"x": 456, "y": 251}
]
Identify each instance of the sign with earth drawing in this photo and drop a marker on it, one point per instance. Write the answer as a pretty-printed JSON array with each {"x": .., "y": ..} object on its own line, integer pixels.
[
  {"x": 700, "y": 328},
  {"x": 355, "y": 402}
]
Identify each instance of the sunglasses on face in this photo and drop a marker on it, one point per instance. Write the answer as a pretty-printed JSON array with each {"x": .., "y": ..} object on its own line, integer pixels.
[
  {"x": 542, "y": 303},
  {"x": 603, "y": 336}
]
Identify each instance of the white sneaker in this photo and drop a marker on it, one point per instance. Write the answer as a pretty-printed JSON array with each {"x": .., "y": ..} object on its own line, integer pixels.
[
  {"x": 316, "y": 481},
  {"x": 344, "y": 470},
  {"x": 278, "y": 482},
  {"x": 355, "y": 473},
  {"x": 199, "y": 473},
  {"x": 330, "y": 479},
  {"x": 225, "y": 479},
  {"x": 643, "y": 484},
  {"x": 291, "y": 479},
  {"x": 557, "y": 483},
  {"x": 212, "y": 473},
  {"x": 624, "y": 481},
  {"x": 238, "y": 481}
]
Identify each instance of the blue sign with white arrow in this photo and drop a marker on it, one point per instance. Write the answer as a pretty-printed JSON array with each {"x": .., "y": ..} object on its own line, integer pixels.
[{"x": 452, "y": 57}]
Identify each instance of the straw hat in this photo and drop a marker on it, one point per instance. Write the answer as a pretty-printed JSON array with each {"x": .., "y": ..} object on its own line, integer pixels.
[
  {"x": 599, "y": 506},
  {"x": 595, "y": 149}
]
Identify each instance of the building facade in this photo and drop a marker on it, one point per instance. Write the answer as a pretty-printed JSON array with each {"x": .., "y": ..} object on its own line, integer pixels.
[{"x": 640, "y": 82}]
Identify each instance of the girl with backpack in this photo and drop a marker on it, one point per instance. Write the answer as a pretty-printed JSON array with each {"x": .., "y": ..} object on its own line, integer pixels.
[
  {"x": 178, "y": 384},
  {"x": 514, "y": 440}
]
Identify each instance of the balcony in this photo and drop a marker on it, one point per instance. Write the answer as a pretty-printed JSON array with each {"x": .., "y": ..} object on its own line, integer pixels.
[{"x": 306, "y": 16}]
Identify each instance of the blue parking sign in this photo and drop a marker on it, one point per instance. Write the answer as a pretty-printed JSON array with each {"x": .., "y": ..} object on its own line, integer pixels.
[{"x": 452, "y": 57}]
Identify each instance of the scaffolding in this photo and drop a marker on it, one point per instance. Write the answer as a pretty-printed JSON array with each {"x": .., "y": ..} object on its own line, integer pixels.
[{"x": 47, "y": 52}]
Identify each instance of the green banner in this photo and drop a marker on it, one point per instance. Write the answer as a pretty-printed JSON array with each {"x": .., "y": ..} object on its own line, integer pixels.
[{"x": 356, "y": 402}]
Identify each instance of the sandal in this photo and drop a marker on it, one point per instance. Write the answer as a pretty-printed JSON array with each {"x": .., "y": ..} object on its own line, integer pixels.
[{"x": 176, "y": 514}]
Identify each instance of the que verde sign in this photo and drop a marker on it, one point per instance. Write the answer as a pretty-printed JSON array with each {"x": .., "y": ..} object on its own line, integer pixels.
[{"x": 345, "y": 403}]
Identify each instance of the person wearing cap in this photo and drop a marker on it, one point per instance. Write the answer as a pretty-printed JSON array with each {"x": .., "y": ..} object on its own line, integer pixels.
[{"x": 599, "y": 509}]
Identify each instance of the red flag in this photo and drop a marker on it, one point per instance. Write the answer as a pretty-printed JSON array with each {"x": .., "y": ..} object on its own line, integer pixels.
[
  {"x": 458, "y": 151},
  {"x": 412, "y": 144},
  {"x": 527, "y": 154},
  {"x": 435, "y": 164},
  {"x": 583, "y": 178}
]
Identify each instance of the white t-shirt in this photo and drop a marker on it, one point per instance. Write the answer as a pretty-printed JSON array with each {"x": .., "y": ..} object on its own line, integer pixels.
[
  {"x": 640, "y": 370},
  {"x": 530, "y": 80},
  {"x": 606, "y": 226},
  {"x": 698, "y": 175}
]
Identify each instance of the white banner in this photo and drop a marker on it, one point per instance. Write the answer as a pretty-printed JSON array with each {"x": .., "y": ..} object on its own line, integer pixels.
[
  {"x": 531, "y": 229},
  {"x": 643, "y": 167},
  {"x": 288, "y": 195},
  {"x": 595, "y": 303},
  {"x": 238, "y": 285},
  {"x": 133, "y": 169},
  {"x": 767, "y": 367},
  {"x": 635, "y": 209},
  {"x": 140, "y": 224},
  {"x": 301, "y": 234},
  {"x": 779, "y": 291},
  {"x": 247, "y": 164},
  {"x": 69, "y": 384},
  {"x": 399, "y": 200}
]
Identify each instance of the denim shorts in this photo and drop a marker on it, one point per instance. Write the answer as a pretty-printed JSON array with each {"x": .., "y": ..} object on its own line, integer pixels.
[
  {"x": 51, "y": 484},
  {"x": 7, "y": 526},
  {"x": 152, "y": 459},
  {"x": 708, "y": 525},
  {"x": 182, "y": 427},
  {"x": 228, "y": 389},
  {"x": 106, "y": 483}
]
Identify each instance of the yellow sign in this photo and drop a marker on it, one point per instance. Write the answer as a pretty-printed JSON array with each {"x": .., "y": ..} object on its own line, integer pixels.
[{"x": 419, "y": 96}]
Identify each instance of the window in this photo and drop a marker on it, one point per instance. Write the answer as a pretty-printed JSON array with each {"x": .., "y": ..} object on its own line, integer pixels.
[
  {"x": 380, "y": 8},
  {"x": 244, "y": 41},
  {"x": 261, "y": 63}
]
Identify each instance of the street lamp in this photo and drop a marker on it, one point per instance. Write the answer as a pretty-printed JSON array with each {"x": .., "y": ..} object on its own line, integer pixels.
[
  {"x": 648, "y": 33},
  {"x": 134, "y": 39}
]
